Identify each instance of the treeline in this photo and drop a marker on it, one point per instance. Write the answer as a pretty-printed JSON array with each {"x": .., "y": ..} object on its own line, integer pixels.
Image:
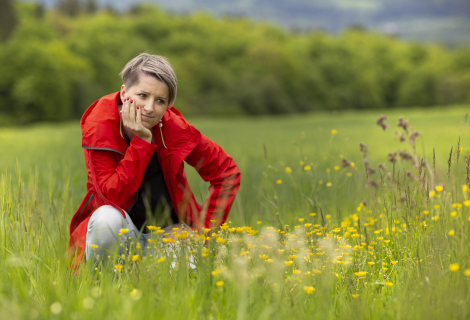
[{"x": 54, "y": 65}]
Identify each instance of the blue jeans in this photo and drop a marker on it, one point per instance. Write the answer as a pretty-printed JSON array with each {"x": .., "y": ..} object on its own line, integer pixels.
[{"x": 103, "y": 240}]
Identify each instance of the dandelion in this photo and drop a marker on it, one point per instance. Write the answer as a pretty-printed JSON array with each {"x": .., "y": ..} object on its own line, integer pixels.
[
  {"x": 464, "y": 188},
  {"x": 393, "y": 262},
  {"x": 467, "y": 273},
  {"x": 360, "y": 273},
  {"x": 437, "y": 206},
  {"x": 161, "y": 259},
  {"x": 349, "y": 174},
  {"x": 288, "y": 263},
  {"x": 425, "y": 212},
  {"x": 439, "y": 188},
  {"x": 313, "y": 214},
  {"x": 124, "y": 231},
  {"x": 93, "y": 246},
  {"x": 336, "y": 168},
  {"x": 135, "y": 257},
  {"x": 466, "y": 203},
  {"x": 307, "y": 168},
  {"x": 329, "y": 184},
  {"x": 334, "y": 131},
  {"x": 309, "y": 290},
  {"x": 451, "y": 233},
  {"x": 352, "y": 164},
  {"x": 301, "y": 219},
  {"x": 386, "y": 241},
  {"x": 220, "y": 240},
  {"x": 432, "y": 193},
  {"x": 118, "y": 267},
  {"x": 288, "y": 170},
  {"x": 454, "y": 267},
  {"x": 269, "y": 260},
  {"x": 258, "y": 222},
  {"x": 219, "y": 283},
  {"x": 215, "y": 272},
  {"x": 279, "y": 181},
  {"x": 297, "y": 271},
  {"x": 355, "y": 296},
  {"x": 389, "y": 284},
  {"x": 371, "y": 263}
]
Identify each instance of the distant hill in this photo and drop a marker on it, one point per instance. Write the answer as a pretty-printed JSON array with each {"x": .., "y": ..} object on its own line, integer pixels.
[{"x": 444, "y": 21}]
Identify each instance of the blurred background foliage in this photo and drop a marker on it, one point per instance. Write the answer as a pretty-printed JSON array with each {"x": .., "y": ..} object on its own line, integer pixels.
[{"x": 55, "y": 62}]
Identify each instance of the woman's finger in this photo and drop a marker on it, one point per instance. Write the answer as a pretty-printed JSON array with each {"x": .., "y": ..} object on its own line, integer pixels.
[
  {"x": 125, "y": 111},
  {"x": 138, "y": 117},
  {"x": 132, "y": 113}
]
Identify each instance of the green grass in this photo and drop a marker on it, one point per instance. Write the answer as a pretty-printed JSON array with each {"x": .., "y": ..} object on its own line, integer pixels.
[{"x": 43, "y": 180}]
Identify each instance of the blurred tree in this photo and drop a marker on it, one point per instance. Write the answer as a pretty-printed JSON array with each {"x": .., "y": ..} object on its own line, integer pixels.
[
  {"x": 69, "y": 7},
  {"x": 91, "y": 6},
  {"x": 8, "y": 19}
]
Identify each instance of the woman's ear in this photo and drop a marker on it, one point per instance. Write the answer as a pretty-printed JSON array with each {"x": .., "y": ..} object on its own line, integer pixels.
[{"x": 123, "y": 92}]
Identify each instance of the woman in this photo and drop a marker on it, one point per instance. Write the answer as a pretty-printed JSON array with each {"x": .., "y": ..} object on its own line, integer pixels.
[{"x": 135, "y": 143}]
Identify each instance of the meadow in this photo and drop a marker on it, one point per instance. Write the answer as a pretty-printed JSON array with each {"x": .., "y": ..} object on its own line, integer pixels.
[{"x": 320, "y": 228}]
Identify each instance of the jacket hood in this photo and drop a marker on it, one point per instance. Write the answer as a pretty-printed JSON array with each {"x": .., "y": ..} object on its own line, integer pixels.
[{"x": 101, "y": 129}]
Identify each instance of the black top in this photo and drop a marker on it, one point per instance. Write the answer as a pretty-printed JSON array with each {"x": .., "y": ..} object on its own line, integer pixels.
[{"x": 152, "y": 193}]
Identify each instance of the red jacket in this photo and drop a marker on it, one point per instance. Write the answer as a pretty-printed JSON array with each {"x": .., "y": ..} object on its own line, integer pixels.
[{"x": 116, "y": 169}]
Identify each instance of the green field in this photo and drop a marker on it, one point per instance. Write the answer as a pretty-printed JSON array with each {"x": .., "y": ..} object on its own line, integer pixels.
[{"x": 43, "y": 181}]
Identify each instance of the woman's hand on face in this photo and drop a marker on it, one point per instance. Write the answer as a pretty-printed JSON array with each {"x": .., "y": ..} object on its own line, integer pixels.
[{"x": 132, "y": 120}]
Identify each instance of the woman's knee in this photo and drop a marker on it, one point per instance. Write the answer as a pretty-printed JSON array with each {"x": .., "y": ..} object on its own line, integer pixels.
[{"x": 106, "y": 218}]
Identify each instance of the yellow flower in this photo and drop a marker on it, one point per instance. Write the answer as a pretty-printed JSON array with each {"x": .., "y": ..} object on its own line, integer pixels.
[
  {"x": 328, "y": 216},
  {"x": 437, "y": 206},
  {"x": 334, "y": 131},
  {"x": 215, "y": 272},
  {"x": 328, "y": 184},
  {"x": 279, "y": 181},
  {"x": 386, "y": 241},
  {"x": 288, "y": 170},
  {"x": 313, "y": 214},
  {"x": 467, "y": 273},
  {"x": 135, "y": 257},
  {"x": 371, "y": 263},
  {"x": 301, "y": 219},
  {"x": 355, "y": 296},
  {"x": 118, "y": 267},
  {"x": 389, "y": 284},
  {"x": 219, "y": 283},
  {"x": 439, "y": 188},
  {"x": 393, "y": 262},
  {"x": 269, "y": 260},
  {"x": 259, "y": 222},
  {"x": 206, "y": 230},
  {"x": 297, "y": 271},
  {"x": 94, "y": 246},
  {"x": 289, "y": 263},
  {"x": 309, "y": 290},
  {"x": 349, "y": 174},
  {"x": 453, "y": 214},
  {"x": 306, "y": 168},
  {"x": 432, "y": 193},
  {"x": 451, "y": 233},
  {"x": 464, "y": 188},
  {"x": 466, "y": 203},
  {"x": 161, "y": 259},
  {"x": 352, "y": 164},
  {"x": 336, "y": 168},
  {"x": 425, "y": 212},
  {"x": 124, "y": 231},
  {"x": 360, "y": 273},
  {"x": 454, "y": 267}
]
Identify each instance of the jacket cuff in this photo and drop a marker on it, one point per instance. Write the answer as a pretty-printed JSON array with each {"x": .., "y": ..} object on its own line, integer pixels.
[{"x": 142, "y": 144}]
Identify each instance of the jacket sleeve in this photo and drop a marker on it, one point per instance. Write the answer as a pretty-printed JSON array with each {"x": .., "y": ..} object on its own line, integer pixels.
[
  {"x": 117, "y": 180},
  {"x": 214, "y": 165}
]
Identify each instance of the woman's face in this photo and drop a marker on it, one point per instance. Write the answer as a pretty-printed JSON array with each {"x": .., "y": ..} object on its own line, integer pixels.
[{"x": 151, "y": 95}]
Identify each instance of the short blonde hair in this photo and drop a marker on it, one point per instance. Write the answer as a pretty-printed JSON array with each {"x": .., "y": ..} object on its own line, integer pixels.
[{"x": 151, "y": 65}]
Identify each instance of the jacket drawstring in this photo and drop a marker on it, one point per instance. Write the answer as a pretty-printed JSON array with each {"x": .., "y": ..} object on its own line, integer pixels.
[{"x": 161, "y": 133}]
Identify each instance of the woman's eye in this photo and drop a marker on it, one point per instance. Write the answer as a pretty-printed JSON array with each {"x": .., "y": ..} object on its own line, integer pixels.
[
  {"x": 161, "y": 101},
  {"x": 142, "y": 95}
]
